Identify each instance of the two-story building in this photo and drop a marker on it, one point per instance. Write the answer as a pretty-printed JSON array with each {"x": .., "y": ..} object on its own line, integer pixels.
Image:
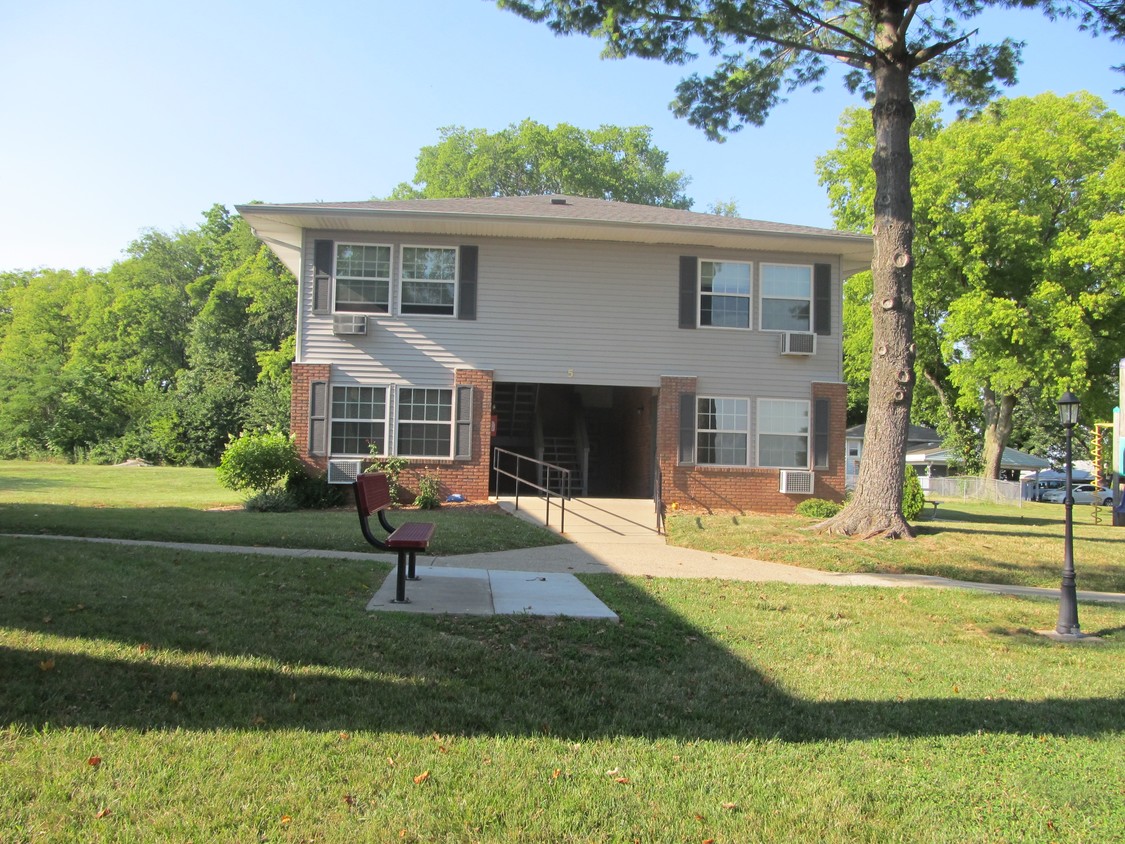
[{"x": 636, "y": 345}]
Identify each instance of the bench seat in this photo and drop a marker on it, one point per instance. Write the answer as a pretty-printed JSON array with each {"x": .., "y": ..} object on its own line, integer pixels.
[{"x": 373, "y": 497}]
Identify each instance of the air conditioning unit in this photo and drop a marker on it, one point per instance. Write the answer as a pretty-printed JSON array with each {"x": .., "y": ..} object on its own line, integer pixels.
[
  {"x": 344, "y": 471},
  {"x": 798, "y": 343},
  {"x": 349, "y": 324},
  {"x": 796, "y": 482}
]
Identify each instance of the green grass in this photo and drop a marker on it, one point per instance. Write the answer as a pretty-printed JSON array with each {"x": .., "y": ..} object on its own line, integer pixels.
[
  {"x": 984, "y": 543},
  {"x": 241, "y": 698},
  {"x": 177, "y": 505}
]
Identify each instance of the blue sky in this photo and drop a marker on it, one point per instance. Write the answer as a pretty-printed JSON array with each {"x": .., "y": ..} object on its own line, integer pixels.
[{"x": 121, "y": 116}]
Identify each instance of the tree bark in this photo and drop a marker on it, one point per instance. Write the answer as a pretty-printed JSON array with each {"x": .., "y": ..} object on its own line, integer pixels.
[
  {"x": 876, "y": 506},
  {"x": 997, "y": 430}
]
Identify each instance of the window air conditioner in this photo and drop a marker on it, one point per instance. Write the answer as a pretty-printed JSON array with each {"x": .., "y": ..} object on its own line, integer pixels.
[
  {"x": 344, "y": 471},
  {"x": 349, "y": 324},
  {"x": 798, "y": 343},
  {"x": 796, "y": 482}
]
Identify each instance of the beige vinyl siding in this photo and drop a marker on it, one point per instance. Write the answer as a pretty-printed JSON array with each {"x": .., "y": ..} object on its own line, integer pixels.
[{"x": 570, "y": 312}]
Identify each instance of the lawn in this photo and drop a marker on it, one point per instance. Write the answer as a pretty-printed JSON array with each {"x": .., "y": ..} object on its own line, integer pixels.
[
  {"x": 153, "y": 695},
  {"x": 986, "y": 543},
  {"x": 188, "y": 505}
]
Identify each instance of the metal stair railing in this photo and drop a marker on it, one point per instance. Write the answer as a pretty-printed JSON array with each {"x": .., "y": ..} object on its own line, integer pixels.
[{"x": 544, "y": 471}]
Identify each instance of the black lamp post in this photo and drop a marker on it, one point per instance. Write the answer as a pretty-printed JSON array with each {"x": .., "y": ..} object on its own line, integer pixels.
[{"x": 1068, "y": 599}]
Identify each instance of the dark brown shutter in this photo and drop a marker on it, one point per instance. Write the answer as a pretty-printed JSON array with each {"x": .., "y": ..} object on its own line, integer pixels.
[
  {"x": 689, "y": 291},
  {"x": 463, "y": 448},
  {"x": 822, "y": 299},
  {"x": 322, "y": 276},
  {"x": 318, "y": 418},
  {"x": 467, "y": 284},
  {"x": 821, "y": 418},
  {"x": 687, "y": 427}
]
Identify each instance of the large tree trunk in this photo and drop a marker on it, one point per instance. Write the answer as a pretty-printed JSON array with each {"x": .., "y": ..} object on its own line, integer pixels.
[
  {"x": 876, "y": 507},
  {"x": 997, "y": 430}
]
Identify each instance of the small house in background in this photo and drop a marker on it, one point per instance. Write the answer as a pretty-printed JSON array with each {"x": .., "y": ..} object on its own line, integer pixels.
[
  {"x": 917, "y": 437},
  {"x": 653, "y": 352}
]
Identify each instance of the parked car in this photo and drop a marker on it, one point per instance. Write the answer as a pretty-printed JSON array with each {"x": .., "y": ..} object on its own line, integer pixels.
[
  {"x": 1041, "y": 488},
  {"x": 1083, "y": 494}
]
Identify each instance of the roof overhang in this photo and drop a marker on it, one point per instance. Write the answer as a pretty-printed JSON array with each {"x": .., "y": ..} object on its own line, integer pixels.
[{"x": 280, "y": 226}]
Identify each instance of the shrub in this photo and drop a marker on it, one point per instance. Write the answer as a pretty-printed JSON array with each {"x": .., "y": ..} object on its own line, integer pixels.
[
  {"x": 313, "y": 492},
  {"x": 271, "y": 501},
  {"x": 258, "y": 462},
  {"x": 913, "y": 498},
  {"x": 390, "y": 466},
  {"x": 428, "y": 493},
  {"x": 818, "y": 508}
]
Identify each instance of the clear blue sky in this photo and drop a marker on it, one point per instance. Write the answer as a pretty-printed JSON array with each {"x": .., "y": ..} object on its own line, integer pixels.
[{"x": 124, "y": 115}]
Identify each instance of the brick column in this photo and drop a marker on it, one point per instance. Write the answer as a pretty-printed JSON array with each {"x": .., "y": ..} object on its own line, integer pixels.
[
  {"x": 303, "y": 374},
  {"x": 668, "y": 432},
  {"x": 473, "y": 474},
  {"x": 830, "y": 481}
]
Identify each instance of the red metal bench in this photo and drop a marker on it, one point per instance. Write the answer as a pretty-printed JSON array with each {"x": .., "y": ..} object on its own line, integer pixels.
[{"x": 373, "y": 496}]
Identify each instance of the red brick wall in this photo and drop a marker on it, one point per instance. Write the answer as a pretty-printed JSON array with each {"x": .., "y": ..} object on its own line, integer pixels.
[
  {"x": 303, "y": 375},
  {"x": 726, "y": 488}
]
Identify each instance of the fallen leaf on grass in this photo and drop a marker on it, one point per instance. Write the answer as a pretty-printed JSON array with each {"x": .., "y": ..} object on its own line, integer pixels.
[
  {"x": 47, "y": 665},
  {"x": 94, "y": 761},
  {"x": 422, "y": 777},
  {"x": 174, "y": 697},
  {"x": 349, "y": 799},
  {"x": 555, "y": 774},
  {"x": 286, "y": 820},
  {"x": 143, "y": 647},
  {"x": 104, "y": 813},
  {"x": 622, "y": 780},
  {"x": 730, "y": 806}
]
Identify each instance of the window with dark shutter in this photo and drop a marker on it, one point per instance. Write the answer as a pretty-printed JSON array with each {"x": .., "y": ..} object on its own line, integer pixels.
[
  {"x": 463, "y": 447},
  {"x": 318, "y": 418},
  {"x": 687, "y": 427},
  {"x": 467, "y": 292},
  {"x": 822, "y": 299},
  {"x": 821, "y": 419},
  {"x": 322, "y": 277},
  {"x": 689, "y": 291}
]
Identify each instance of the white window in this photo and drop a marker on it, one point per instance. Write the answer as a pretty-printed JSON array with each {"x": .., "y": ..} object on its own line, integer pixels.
[
  {"x": 359, "y": 420},
  {"x": 425, "y": 422},
  {"x": 724, "y": 294},
  {"x": 786, "y": 297},
  {"x": 429, "y": 280},
  {"x": 722, "y": 431},
  {"x": 363, "y": 277},
  {"x": 783, "y": 434}
]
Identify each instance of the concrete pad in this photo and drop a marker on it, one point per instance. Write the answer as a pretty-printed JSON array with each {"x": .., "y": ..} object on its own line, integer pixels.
[
  {"x": 469, "y": 591},
  {"x": 536, "y": 593}
]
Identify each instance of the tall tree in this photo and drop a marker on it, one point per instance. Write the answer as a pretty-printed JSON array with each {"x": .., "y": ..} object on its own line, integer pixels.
[
  {"x": 528, "y": 158},
  {"x": 895, "y": 50},
  {"x": 1020, "y": 290}
]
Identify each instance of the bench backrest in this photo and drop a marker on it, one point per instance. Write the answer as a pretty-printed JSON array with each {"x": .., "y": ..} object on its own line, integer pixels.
[{"x": 372, "y": 492}]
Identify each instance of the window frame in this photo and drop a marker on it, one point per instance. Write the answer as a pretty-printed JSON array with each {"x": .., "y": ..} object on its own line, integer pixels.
[
  {"x": 374, "y": 308},
  {"x": 700, "y": 431},
  {"x": 448, "y": 424},
  {"x": 453, "y": 282},
  {"x": 811, "y": 299},
  {"x": 748, "y": 295},
  {"x": 333, "y": 419},
  {"x": 761, "y": 431}
]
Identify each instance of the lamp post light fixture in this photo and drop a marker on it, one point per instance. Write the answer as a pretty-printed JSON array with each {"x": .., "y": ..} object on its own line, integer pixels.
[{"x": 1068, "y": 599}]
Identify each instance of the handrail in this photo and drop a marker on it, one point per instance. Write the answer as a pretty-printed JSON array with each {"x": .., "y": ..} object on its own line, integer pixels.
[
  {"x": 658, "y": 500},
  {"x": 545, "y": 470}
]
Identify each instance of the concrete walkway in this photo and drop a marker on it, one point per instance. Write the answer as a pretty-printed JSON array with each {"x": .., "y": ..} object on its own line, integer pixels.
[{"x": 608, "y": 536}]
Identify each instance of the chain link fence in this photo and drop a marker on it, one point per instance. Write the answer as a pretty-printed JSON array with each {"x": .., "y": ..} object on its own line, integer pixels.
[{"x": 966, "y": 488}]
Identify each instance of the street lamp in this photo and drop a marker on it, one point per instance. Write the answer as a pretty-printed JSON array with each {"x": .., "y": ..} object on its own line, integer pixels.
[{"x": 1068, "y": 599}]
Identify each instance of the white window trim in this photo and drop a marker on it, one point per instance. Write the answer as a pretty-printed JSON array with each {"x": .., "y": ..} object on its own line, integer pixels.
[
  {"x": 388, "y": 411},
  {"x": 746, "y": 433},
  {"x": 748, "y": 296},
  {"x": 390, "y": 279},
  {"x": 455, "y": 281},
  {"x": 759, "y": 431},
  {"x": 451, "y": 424},
  {"x": 762, "y": 296}
]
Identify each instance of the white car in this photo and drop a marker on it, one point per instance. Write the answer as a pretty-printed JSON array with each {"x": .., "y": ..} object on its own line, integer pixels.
[{"x": 1083, "y": 494}]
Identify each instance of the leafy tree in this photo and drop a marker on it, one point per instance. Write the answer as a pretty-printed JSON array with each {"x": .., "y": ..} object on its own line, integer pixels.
[
  {"x": 895, "y": 51},
  {"x": 528, "y": 158},
  {"x": 1020, "y": 291}
]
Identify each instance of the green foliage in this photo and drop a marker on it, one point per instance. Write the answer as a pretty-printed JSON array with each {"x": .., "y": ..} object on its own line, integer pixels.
[
  {"x": 271, "y": 501},
  {"x": 528, "y": 158},
  {"x": 913, "y": 498},
  {"x": 392, "y": 467},
  {"x": 313, "y": 492},
  {"x": 429, "y": 493},
  {"x": 258, "y": 462},
  {"x": 818, "y": 508}
]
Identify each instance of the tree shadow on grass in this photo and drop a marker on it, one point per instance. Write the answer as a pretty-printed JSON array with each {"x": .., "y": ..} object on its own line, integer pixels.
[{"x": 146, "y": 639}]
